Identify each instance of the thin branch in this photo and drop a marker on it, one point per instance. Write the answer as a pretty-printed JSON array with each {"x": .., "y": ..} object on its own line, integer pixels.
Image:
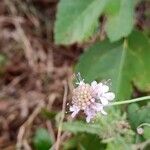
[
  {"x": 22, "y": 130},
  {"x": 62, "y": 116},
  {"x": 26, "y": 43},
  {"x": 62, "y": 138}
]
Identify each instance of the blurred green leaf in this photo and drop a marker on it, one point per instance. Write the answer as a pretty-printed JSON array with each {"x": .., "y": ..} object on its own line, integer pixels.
[
  {"x": 48, "y": 114},
  {"x": 118, "y": 143},
  {"x": 77, "y": 20},
  {"x": 123, "y": 63},
  {"x": 138, "y": 115},
  {"x": 132, "y": 115},
  {"x": 85, "y": 142},
  {"x": 103, "y": 126},
  {"x": 120, "y": 23},
  {"x": 79, "y": 126},
  {"x": 3, "y": 61},
  {"x": 139, "y": 45},
  {"x": 42, "y": 139},
  {"x": 90, "y": 142},
  {"x": 112, "y": 7},
  {"x": 146, "y": 132},
  {"x": 71, "y": 143},
  {"x": 108, "y": 128}
]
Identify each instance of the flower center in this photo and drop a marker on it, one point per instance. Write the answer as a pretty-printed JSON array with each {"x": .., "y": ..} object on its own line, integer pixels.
[{"x": 82, "y": 96}]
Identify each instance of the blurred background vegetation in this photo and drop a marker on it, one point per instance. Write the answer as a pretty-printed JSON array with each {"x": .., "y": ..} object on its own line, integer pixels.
[{"x": 43, "y": 43}]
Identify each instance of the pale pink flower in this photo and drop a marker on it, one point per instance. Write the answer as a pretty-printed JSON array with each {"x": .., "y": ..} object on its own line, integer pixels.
[{"x": 90, "y": 99}]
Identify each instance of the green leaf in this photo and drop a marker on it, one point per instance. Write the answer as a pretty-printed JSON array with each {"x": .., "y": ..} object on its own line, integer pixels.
[
  {"x": 85, "y": 142},
  {"x": 140, "y": 45},
  {"x": 146, "y": 132},
  {"x": 48, "y": 114},
  {"x": 89, "y": 142},
  {"x": 122, "y": 62},
  {"x": 112, "y": 7},
  {"x": 119, "y": 143},
  {"x": 77, "y": 20},
  {"x": 132, "y": 115},
  {"x": 3, "y": 61},
  {"x": 71, "y": 143},
  {"x": 78, "y": 126},
  {"x": 42, "y": 140},
  {"x": 138, "y": 115},
  {"x": 120, "y": 23},
  {"x": 105, "y": 127}
]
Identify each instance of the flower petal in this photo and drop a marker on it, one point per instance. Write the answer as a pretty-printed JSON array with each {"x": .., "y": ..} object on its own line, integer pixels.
[
  {"x": 88, "y": 118},
  {"x": 94, "y": 84},
  {"x": 110, "y": 96},
  {"x": 74, "y": 109},
  {"x": 71, "y": 109},
  {"x": 74, "y": 114},
  {"x": 104, "y": 100},
  {"x": 101, "y": 88},
  {"x": 90, "y": 113},
  {"x": 97, "y": 106},
  {"x": 105, "y": 88},
  {"x": 103, "y": 112}
]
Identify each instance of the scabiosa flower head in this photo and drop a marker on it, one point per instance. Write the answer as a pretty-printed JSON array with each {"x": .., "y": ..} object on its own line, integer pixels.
[{"x": 90, "y": 99}]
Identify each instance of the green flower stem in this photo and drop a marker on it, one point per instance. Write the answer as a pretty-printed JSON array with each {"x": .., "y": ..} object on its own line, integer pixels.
[
  {"x": 143, "y": 124},
  {"x": 131, "y": 101}
]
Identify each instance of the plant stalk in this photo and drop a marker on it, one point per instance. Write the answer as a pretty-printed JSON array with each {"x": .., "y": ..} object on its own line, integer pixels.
[{"x": 131, "y": 101}]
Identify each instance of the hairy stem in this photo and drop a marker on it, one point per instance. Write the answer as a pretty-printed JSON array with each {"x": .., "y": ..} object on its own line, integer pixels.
[
  {"x": 143, "y": 124},
  {"x": 131, "y": 101}
]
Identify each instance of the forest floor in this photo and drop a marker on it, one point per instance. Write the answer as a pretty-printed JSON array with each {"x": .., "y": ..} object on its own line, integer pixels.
[{"x": 32, "y": 69}]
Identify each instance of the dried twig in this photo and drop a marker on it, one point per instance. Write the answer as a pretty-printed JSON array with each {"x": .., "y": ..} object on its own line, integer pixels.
[
  {"x": 23, "y": 38},
  {"x": 62, "y": 117},
  {"x": 50, "y": 130},
  {"x": 62, "y": 138},
  {"x": 20, "y": 137}
]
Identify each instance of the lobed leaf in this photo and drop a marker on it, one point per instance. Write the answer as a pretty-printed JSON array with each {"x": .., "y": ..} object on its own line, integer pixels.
[
  {"x": 122, "y": 62},
  {"x": 78, "y": 126},
  {"x": 84, "y": 141},
  {"x": 120, "y": 23},
  {"x": 77, "y": 20},
  {"x": 119, "y": 143},
  {"x": 137, "y": 115}
]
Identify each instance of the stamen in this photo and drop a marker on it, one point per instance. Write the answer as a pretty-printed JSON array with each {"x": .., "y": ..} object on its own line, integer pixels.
[{"x": 79, "y": 79}]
